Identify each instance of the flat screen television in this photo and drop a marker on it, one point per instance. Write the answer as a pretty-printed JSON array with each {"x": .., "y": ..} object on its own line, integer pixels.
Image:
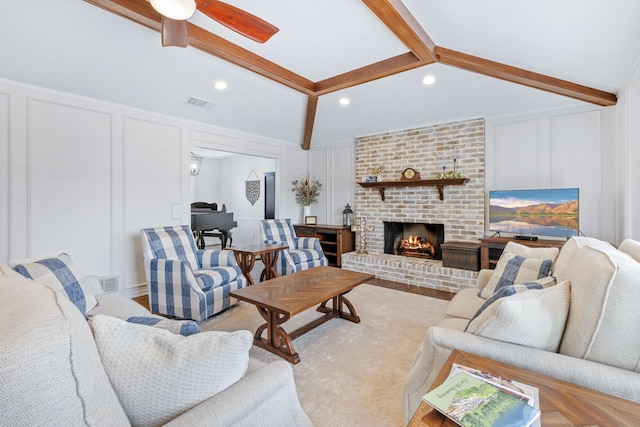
[{"x": 550, "y": 212}]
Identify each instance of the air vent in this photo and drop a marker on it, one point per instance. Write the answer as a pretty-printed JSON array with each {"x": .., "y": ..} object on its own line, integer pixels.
[
  {"x": 201, "y": 103},
  {"x": 109, "y": 283}
]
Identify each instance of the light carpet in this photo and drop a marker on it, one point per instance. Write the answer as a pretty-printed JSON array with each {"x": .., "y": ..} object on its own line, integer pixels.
[{"x": 351, "y": 374}]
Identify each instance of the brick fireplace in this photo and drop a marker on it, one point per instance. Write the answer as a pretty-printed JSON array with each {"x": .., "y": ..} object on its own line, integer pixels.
[{"x": 461, "y": 212}]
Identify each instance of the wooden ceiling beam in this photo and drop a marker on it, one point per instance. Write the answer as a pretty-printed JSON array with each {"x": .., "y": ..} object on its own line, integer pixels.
[
  {"x": 312, "y": 105},
  {"x": 524, "y": 77},
  {"x": 398, "y": 19},
  {"x": 140, "y": 11},
  {"x": 378, "y": 70},
  {"x": 395, "y": 15}
]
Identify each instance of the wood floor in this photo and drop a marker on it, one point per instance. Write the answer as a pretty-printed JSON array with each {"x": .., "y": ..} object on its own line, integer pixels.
[{"x": 419, "y": 290}]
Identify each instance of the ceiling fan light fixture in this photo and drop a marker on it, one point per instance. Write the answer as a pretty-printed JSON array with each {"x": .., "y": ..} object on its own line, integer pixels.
[{"x": 175, "y": 9}]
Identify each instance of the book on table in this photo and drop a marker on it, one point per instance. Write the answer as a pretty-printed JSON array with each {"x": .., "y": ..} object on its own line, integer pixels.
[{"x": 473, "y": 398}]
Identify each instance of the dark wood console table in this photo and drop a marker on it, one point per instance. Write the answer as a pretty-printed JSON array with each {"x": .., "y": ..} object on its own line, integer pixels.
[
  {"x": 491, "y": 248},
  {"x": 334, "y": 239}
]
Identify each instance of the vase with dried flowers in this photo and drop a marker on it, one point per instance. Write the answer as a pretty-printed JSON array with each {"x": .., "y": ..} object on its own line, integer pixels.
[{"x": 306, "y": 191}]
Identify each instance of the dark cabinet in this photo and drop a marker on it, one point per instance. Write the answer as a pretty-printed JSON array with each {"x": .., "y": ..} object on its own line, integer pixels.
[
  {"x": 334, "y": 239},
  {"x": 492, "y": 247}
]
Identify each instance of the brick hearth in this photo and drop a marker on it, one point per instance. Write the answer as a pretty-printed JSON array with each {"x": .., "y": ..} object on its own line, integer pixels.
[
  {"x": 412, "y": 271},
  {"x": 461, "y": 211}
]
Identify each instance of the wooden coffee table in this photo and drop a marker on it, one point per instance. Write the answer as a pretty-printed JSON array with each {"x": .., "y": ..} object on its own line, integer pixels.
[
  {"x": 561, "y": 403},
  {"x": 280, "y": 298}
]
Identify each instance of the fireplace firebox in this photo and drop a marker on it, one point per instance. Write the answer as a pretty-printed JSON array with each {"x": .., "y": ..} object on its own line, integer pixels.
[{"x": 412, "y": 239}]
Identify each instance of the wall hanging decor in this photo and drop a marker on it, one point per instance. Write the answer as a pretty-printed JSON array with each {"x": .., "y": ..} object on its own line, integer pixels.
[{"x": 252, "y": 188}]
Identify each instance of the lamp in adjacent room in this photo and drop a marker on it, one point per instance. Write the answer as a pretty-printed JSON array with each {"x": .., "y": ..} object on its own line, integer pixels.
[
  {"x": 195, "y": 163},
  {"x": 175, "y": 9},
  {"x": 347, "y": 216}
]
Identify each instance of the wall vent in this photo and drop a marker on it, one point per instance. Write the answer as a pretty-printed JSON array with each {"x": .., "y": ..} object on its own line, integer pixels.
[
  {"x": 200, "y": 103},
  {"x": 109, "y": 284}
]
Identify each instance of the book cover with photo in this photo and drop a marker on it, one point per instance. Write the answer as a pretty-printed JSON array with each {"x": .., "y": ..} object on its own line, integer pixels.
[{"x": 471, "y": 401}]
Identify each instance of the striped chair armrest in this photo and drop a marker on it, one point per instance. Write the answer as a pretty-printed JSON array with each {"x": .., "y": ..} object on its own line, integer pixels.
[
  {"x": 309, "y": 243},
  {"x": 216, "y": 258}
]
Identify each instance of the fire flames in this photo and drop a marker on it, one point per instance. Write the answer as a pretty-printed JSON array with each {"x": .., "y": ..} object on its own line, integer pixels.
[{"x": 416, "y": 246}]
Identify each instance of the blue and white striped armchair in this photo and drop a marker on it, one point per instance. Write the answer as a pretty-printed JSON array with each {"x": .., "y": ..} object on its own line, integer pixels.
[
  {"x": 183, "y": 281},
  {"x": 303, "y": 252}
]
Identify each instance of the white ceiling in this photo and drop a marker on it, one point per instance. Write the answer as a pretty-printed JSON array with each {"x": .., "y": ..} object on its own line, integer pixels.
[{"x": 73, "y": 46}]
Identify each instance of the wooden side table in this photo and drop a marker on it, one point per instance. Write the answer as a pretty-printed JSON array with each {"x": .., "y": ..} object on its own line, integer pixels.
[
  {"x": 561, "y": 403},
  {"x": 246, "y": 257}
]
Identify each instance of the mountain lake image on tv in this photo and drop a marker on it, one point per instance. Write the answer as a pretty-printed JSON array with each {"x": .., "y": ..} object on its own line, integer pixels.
[{"x": 547, "y": 212}]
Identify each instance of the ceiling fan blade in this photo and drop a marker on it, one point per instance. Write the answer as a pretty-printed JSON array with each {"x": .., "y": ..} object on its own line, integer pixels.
[
  {"x": 238, "y": 20},
  {"x": 174, "y": 33}
]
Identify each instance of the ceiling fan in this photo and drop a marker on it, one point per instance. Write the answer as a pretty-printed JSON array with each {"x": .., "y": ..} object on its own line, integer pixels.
[{"x": 175, "y": 31}]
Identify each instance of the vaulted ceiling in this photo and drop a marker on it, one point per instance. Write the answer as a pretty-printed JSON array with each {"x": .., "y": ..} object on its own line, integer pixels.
[{"x": 490, "y": 58}]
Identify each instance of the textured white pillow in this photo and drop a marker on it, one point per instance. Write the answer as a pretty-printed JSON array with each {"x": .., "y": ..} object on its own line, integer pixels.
[
  {"x": 535, "y": 318},
  {"x": 513, "y": 269},
  {"x": 527, "y": 252},
  {"x": 158, "y": 375}
]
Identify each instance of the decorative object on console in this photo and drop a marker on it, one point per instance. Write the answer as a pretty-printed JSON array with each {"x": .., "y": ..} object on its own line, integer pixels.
[
  {"x": 410, "y": 174},
  {"x": 362, "y": 230},
  {"x": 195, "y": 164},
  {"x": 310, "y": 220},
  {"x": 347, "y": 216},
  {"x": 252, "y": 188}
]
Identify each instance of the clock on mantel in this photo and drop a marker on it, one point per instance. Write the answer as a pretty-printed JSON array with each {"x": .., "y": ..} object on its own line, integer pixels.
[{"x": 410, "y": 174}]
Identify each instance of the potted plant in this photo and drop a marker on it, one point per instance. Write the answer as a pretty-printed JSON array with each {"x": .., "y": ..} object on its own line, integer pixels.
[{"x": 375, "y": 172}]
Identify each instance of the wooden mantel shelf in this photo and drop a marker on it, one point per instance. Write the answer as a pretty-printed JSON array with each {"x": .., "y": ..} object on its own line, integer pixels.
[{"x": 438, "y": 183}]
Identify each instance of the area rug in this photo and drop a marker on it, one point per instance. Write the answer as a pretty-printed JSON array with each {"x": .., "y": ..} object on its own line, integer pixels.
[{"x": 351, "y": 374}]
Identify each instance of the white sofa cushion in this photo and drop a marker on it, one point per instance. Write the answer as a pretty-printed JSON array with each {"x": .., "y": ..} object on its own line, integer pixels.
[
  {"x": 569, "y": 250},
  {"x": 50, "y": 370},
  {"x": 158, "y": 375},
  {"x": 630, "y": 247},
  {"x": 604, "y": 317},
  {"x": 513, "y": 269},
  {"x": 533, "y": 318},
  {"x": 62, "y": 275}
]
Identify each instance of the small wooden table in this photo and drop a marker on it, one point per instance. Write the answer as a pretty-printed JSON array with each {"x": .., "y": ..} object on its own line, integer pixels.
[
  {"x": 246, "y": 257},
  {"x": 280, "y": 298},
  {"x": 561, "y": 403}
]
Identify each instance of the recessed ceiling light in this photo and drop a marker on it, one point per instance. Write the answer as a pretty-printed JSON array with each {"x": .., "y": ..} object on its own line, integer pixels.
[
  {"x": 344, "y": 101},
  {"x": 220, "y": 85},
  {"x": 429, "y": 79}
]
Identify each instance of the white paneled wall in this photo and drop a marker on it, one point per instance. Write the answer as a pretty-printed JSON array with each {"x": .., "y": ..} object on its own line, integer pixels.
[
  {"x": 557, "y": 149},
  {"x": 4, "y": 176},
  {"x": 69, "y": 200},
  {"x": 84, "y": 176}
]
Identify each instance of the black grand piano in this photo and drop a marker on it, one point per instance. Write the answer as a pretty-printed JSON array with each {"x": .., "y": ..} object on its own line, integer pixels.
[{"x": 208, "y": 221}]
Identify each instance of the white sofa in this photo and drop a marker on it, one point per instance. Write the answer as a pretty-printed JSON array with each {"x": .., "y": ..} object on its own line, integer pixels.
[
  {"x": 55, "y": 372},
  {"x": 583, "y": 330}
]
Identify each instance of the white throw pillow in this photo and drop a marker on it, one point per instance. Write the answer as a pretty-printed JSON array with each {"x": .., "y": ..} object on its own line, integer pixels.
[
  {"x": 158, "y": 375},
  {"x": 535, "y": 318},
  {"x": 527, "y": 252},
  {"x": 514, "y": 269}
]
